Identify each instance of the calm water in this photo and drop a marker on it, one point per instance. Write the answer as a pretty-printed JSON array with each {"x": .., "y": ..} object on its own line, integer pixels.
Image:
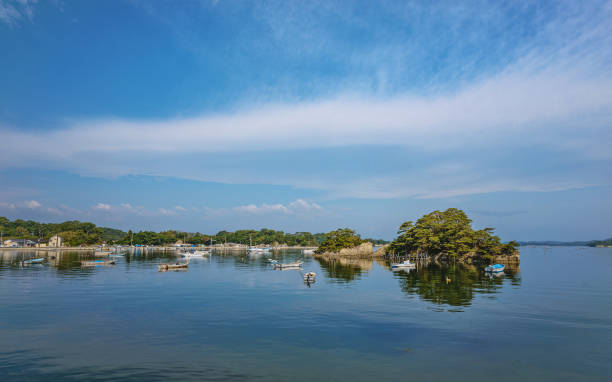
[{"x": 235, "y": 318}]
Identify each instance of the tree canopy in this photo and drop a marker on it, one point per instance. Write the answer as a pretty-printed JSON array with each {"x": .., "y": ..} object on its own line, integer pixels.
[
  {"x": 448, "y": 232},
  {"x": 74, "y": 232},
  {"x": 339, "y": 239}
]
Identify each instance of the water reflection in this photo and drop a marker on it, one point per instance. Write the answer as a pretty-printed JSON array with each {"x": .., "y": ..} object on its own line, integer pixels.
[
  {"x": 69, "y": 263},
  {"x": 441, "y": 284},
  {"x": 452, "y": 284},
  {"x": 342, "y": 269}
]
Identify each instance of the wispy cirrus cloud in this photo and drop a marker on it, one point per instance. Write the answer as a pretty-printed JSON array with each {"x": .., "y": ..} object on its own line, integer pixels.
[
  {"x": 554, "y": 92},
  {"x": 13, "y": 12}
]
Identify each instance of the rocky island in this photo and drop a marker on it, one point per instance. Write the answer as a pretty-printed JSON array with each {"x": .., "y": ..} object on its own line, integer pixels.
[{"x": 440, "y": 235}]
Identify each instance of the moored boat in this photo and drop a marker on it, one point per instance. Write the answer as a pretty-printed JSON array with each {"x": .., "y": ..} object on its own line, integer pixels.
[
  {"x": 95, "y": 263},
  {"x": 495, "y": 268},
  {"x": 33, "y": 261},
  {"x": 296, "y": 264},
  {"x": 195, "y": 254},
  {"x": 169, "y": 267},
  {"x": 404, "y": 264}
]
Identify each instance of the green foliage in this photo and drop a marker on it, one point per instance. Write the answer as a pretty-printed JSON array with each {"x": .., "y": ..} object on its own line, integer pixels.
[
  {"x": 449, "y": 232},
  {"x": 339, "y": 239},
  {"x": 75, "y": 233},
  {"x": 264, "y": 236}
]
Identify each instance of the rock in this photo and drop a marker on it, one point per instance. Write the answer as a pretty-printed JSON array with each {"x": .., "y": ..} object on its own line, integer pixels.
[
  {"x": 362, "y": 250},
  {"x": 382, "y": 251}
]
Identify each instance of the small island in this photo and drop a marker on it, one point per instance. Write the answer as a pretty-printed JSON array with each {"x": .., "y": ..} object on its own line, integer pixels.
[{"x": 440, "y": 235}]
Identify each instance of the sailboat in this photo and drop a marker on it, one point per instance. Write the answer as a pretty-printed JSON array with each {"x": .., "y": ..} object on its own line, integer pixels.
[{"x": 256, "y": 250}]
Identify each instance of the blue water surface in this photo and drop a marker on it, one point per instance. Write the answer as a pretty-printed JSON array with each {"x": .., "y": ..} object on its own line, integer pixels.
[{"x": 232, "y": 317}]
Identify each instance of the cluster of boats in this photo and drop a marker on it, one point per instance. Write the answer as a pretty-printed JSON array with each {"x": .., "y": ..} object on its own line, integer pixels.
[{"x": 407, "y": 264}]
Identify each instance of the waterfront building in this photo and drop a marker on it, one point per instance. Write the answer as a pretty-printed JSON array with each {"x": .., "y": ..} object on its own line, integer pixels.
[{"x": 56, "y": 241}]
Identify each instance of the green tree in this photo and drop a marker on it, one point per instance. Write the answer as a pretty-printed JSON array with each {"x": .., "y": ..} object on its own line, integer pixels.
[
  {"x": 448, "y": 232},
  {"x": 339, "y": 239}
]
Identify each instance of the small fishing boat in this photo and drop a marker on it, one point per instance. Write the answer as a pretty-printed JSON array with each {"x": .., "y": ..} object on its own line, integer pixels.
[
  {"x": 297, "y": 264},
  {"x": 273, "y": 261},
  {"x": 102, "y": 253},
  {"x": 170, "y": 267},
  {"x": 33, "y": 261},
  {"x": 308, "y": 251},
  {"x": 309, "y": 277},
  {"x": 495, "y": 268},
  {"x": 258, "y": 250},
  {"x": 195, "y": 254},
  {"x": 404, "y": 264},
  {"x": 96, "y": 263}
]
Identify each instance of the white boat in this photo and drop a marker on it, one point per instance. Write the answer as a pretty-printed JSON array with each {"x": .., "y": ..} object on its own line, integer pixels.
[
  {"x": 308, "y": 251},
  {"x": 404, "y": 264},
  {"x": 297, "y": 264},
  {"x": 33, "y": 261},
  {"x": 258, "y": 250},
  {"x": 195, "y": 254},
  {"x": 309, "y": 277}
]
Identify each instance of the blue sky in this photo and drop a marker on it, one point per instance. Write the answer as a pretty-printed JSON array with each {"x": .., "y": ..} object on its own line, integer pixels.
[{"x": 308, "y": 116}]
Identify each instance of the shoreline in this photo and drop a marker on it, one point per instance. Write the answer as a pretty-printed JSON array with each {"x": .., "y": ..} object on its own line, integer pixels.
[{"x": 150, "y": 248}]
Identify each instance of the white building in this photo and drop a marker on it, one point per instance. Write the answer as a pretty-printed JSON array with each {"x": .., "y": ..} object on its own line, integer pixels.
[{"x": 56, "y": 241}]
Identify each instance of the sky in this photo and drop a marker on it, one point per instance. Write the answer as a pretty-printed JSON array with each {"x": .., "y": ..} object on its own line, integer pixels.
[{"x": 308, "y": 115}]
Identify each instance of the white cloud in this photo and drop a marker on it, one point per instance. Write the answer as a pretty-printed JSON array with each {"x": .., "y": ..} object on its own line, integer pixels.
[
  {"x": 128, "y": 209},
  {"x": 296, "y": 207},
  {"x": 558, "y": 95},
  {"x": 32, "y": 204},
  {"x": 166, "y": 212},
  {"x": 524, "y": 106},
  {"x": 9, "y": 206},
  {"x": 14, "y": 11},
  {"x": 102, "y": 206}
]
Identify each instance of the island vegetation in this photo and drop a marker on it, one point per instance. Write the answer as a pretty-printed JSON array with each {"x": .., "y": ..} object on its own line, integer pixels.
[
  {"x": 449, "y": 234},
  {"x": 443, "y": 234},
  {"x": 339, "y": 239}
]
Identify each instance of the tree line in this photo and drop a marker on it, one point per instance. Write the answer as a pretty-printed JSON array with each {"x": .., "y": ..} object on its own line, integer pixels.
[{"x": 76, "y": 233}]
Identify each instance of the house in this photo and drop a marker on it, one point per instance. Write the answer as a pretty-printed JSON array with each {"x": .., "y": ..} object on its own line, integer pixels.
[
  {"x": 19, "y": 243},
  {"x": 56, "y": 241},
  {"x": 9, "y": 243}
]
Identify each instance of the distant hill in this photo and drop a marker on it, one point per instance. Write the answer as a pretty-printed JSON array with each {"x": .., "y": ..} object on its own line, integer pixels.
[{"x": 590, "y": 243}]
